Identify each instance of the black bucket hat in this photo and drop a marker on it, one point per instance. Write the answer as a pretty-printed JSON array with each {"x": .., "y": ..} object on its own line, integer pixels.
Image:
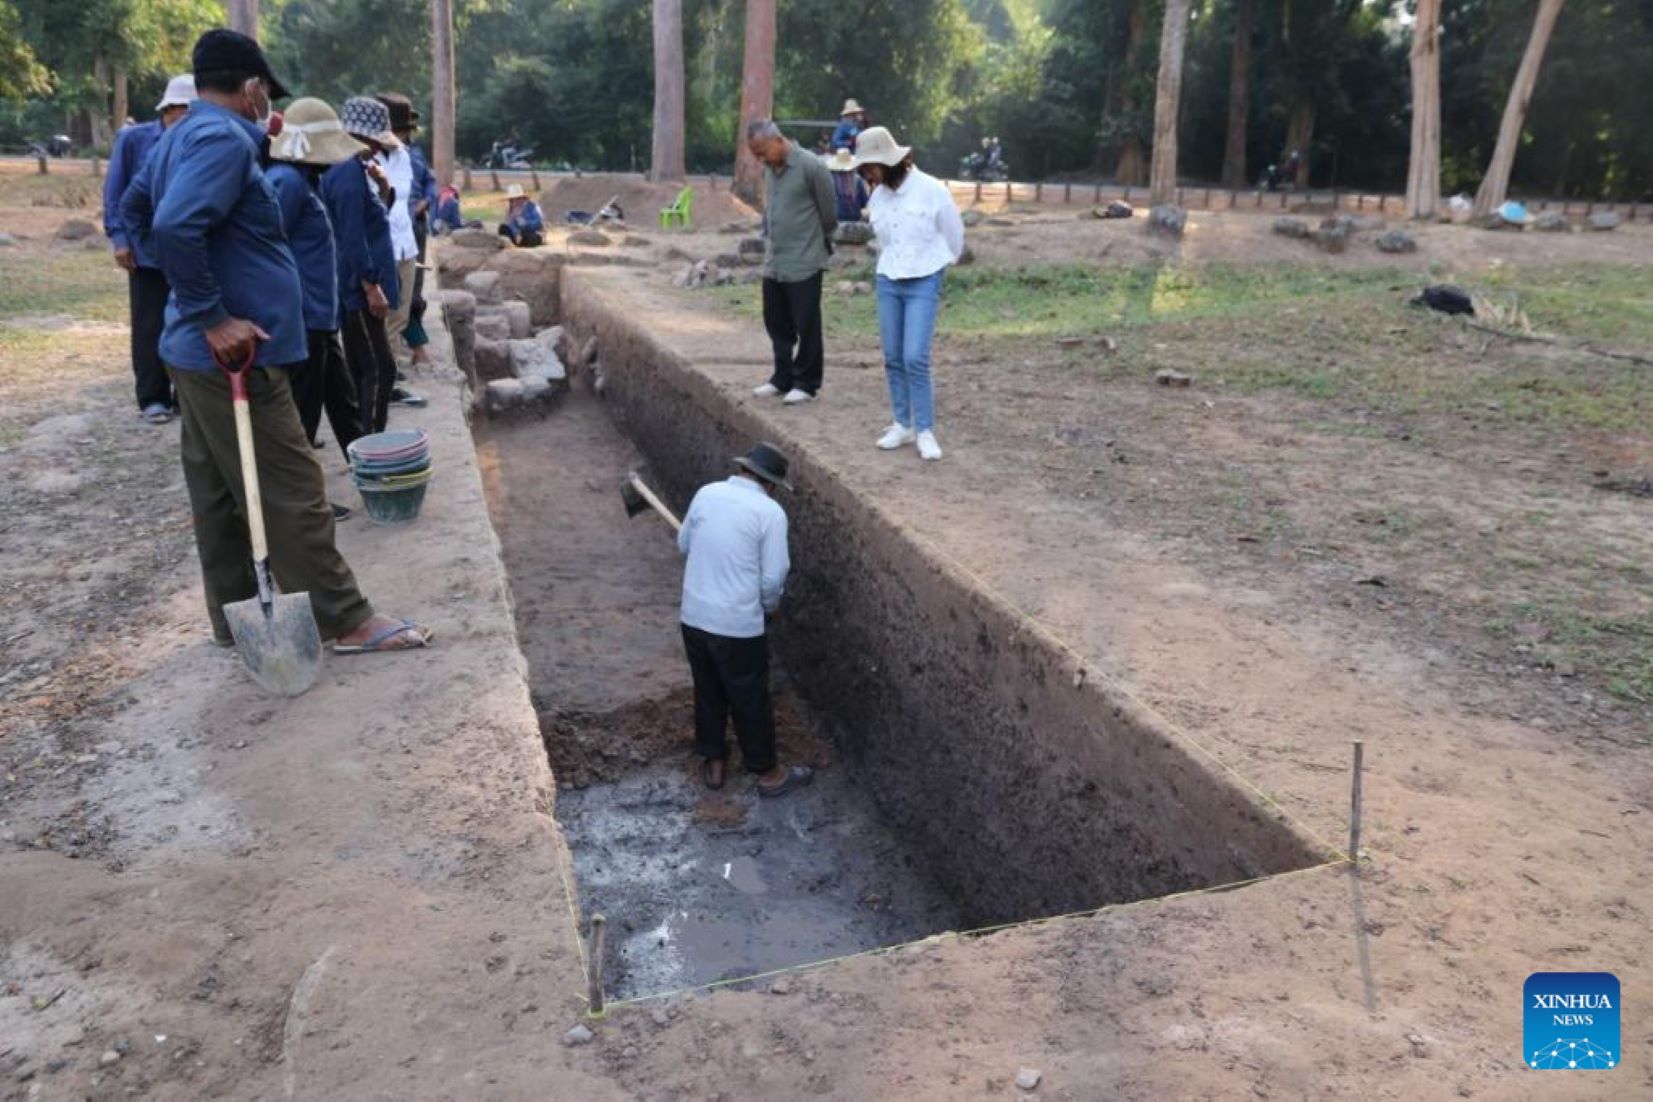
[
  {"x": 226, "y": 51},
  {"x": 766, "y": 462},
  {"x": 403, "y": 115}
]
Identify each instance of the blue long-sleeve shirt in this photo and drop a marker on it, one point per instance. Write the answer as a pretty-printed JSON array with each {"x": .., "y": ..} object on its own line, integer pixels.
[
  {"x": 310, "y": 236},
  {"x": 132, "y": 148},
  {"x": 203, "y": 206},
  {"x": 734, "y": 535},
  {"x": 424, "y": 183},
  {"x": 351, "y": 203},
  {"x": 528, "y": 218},
  {"x": 845, "y": 134}
]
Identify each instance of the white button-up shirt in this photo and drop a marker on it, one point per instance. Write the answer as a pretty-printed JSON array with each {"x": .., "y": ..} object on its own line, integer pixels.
[
  {"x": 734, "y": 535},
  {"x": 399, "y": 167},
  {"x": 918, "y": 228}
]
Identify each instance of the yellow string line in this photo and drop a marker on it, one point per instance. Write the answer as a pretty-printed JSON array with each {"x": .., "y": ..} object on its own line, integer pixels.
[
  {"x": 1089, "y": 667},
  {"x": 980, "y": 931},
  {"x": 573, "y": 919}
]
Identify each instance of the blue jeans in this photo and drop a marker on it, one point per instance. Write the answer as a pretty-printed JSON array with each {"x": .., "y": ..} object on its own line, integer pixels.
[{"x": 907, "y": 320}]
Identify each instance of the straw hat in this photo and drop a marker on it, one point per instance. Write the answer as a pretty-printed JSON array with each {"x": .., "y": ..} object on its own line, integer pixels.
[
  {"x": 877, "y": 147},
  {"x": 515, "y": 192},
  {"x": 851, "y": 108},
  {"x": 368, "y": 119},
  {"x": 312, "y": 134},
  {"x": 180, "y": 92},
  {"x": 842, "y": 161}
]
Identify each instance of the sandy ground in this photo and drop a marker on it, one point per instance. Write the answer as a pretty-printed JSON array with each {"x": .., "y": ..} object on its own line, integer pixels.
[
  {"x": 361, "y": 894},
  {"x": 1405, "y": 983}
]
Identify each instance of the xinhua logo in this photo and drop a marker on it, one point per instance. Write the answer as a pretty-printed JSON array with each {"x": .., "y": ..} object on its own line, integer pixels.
[{"x": 1571, "y": 1021}]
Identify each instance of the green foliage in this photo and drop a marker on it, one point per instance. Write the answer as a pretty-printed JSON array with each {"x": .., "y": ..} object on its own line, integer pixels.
[{"x": 21, "y": 74}]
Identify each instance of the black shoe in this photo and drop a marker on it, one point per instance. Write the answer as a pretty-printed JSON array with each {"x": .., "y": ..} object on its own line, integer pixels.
[{"x": 401, "y": 396}]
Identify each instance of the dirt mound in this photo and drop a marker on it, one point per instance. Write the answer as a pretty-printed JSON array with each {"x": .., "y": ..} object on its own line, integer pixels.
[{"x": 641, "y": 200}]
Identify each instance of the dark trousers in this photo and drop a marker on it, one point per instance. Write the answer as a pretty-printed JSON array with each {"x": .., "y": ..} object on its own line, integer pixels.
[
  {"x": 416, "y": 312},
  {"x": 147, "y": 290},
  {"x": 323, "y": 382},
  {"x": 792, "y": 315},
  {"x": 528, "y": 239},
  {"x": 297, "y": 519},
  {"x": 372, "y": 367},
  {"x": 731, "y": 676}
]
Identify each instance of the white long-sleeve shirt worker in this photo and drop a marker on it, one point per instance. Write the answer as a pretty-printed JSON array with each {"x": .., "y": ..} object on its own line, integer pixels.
[
  {"x": 399, "y": 167},
  {"x": 918, "y": 227},
  {"x": 734, "y": 535}
]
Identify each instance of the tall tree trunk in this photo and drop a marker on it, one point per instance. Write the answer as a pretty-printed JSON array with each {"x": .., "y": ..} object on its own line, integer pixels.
[
  {"x": 667, "y": 160},
  {"x": 97, "y": 121},
  {"x": 1423, "y": 178},
  {"x": 757, "y": 94},
  {"x": 1239, "y": 96},
  {"x": 1299, "y": 133},
  {"x": 1130, "y": 165},
  {"x": 1173, "y": 38},
  {"x": 443, "y": 101},
  {"x": 123, "y": 106},
  {"x": 1495, "y": 185},
  {"x": 242, "y": 15}
]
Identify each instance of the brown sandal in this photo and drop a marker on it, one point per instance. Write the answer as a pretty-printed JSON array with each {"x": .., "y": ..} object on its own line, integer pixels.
[{"x": 706, "y": 772}]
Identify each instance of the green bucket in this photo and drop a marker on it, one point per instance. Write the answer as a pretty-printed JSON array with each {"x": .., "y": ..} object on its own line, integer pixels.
[{"x": 393, "y": 504}]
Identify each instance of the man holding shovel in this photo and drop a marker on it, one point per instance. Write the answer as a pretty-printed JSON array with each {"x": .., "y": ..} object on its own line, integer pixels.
[
  {"x": 205, "y": 210},
  {"x": 734, "y": 535}
]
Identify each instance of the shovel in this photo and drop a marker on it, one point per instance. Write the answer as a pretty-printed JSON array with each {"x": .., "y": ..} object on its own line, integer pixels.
[
  {"x": 639, "y": 498},
  {"x": 275, "y": 633}
]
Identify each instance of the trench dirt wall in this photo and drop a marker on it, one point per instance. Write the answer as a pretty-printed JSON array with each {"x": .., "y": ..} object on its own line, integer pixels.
[{"x": 1033, "y": 789}]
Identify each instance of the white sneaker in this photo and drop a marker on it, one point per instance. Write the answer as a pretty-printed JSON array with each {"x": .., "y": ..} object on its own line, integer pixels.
[
  {"x": 798, "y": 397},
  {"x": 927, "y": 446},
  {"x": 895, "y": 436},
  {"x": 767, "y": 390}
]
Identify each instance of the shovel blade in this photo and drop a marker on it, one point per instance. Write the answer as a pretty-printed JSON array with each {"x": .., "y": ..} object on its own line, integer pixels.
[
  {"x": 281, "y": 648},
  {"x": 633, "y": 500}
]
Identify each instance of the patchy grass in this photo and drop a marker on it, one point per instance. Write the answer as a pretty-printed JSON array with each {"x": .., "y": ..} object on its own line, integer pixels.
[
  {"x": 1618, "y": 649},
  {"x": 69, "y": 280},
  {"x": 1610, "y": 304}
]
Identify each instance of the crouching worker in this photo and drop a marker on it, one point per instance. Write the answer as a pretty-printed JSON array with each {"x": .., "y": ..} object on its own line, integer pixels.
[
  {"x": 205, "y": 210},
  {"x": 523, "y": 224},
  {"x": 734, "y": 536}
]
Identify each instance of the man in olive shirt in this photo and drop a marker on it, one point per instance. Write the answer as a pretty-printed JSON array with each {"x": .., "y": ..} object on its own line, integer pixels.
[{"x": 799, "y": 215}]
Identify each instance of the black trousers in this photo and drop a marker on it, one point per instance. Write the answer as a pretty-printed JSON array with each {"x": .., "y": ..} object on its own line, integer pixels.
[
  {"x": 323, "y": 381},
  {"x": 421, "y": 235},
  {"x": 792, "y": 315},
  {"x": 528, "y": 239},
  {"x": 147, "y": 290},
  {"x": 372, "y": 367},
  {"x": 731, "y": 676}
]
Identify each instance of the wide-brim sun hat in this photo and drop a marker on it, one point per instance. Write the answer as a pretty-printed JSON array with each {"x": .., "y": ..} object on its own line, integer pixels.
[
  {"x": 878, "y": 147},
  {"x": 368, "y": 119},
  {"x": 515, "y": 192},
  {"x": 841, "y": 161},
  {"x": 767, "y": 463},
  {"x": 180, "y": 92},
  {"x": 851, "y": 108},
  {"x": 311, "y": 133}
]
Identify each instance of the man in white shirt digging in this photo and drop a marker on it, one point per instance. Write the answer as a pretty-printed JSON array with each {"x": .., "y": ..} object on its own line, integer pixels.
[{"x": 734, "y": 536}]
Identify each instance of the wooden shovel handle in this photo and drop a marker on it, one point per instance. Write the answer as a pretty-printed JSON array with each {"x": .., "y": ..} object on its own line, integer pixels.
[{"x": 249, "y": 463}]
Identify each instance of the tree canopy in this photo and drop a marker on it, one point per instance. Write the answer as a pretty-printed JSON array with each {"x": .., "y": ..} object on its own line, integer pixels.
[{"x": 1068, "y": 85}]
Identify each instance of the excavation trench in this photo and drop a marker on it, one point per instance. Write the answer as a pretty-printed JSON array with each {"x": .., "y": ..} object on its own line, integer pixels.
[{"x": 974, "y": 771}]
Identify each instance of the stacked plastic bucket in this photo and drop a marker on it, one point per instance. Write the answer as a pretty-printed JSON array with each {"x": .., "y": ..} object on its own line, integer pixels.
[{"x": 392, "y": 470}]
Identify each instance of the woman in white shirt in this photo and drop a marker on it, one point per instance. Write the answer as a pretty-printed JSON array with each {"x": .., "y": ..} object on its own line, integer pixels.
[{"x": 919, "y": 234}]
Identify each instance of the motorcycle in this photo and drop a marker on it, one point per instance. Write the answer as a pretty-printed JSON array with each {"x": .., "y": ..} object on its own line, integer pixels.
[
  {"x": 58, "y": 145},
  {"x": 506, "y": 155},
  {"x": 987, "y": 165}
]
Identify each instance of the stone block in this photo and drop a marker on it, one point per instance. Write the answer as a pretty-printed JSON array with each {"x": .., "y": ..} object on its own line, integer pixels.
[
  {"x": 535, "y": 358},
  {"x": 1602, "y": 221},
  {"x": 477, "y": 239},
  {"x": 503, "y": 394},
  {"x": 492, "y": 326},
  {"x": 1168, "y": 220},
  {"x": 1397, "y": 241},
  {"x": 76, "y": 229},
  {"x": 1293, "y": 227},
  {"x": 484, "y": 285},
  {"x": 493, "y": 359},
  {"x": 1552, "y": 221},
  {"x": 595, "y": 239},
  {"x": 857, "y": 233}
]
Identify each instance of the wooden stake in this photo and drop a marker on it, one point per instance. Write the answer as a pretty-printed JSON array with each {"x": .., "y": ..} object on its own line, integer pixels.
[
  {"x": 1354, "y": 803},
  {"x": 594, "y": 967}
]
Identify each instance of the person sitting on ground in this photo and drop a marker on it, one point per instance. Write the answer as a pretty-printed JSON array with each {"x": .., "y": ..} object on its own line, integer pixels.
[
  {"x": 312, "y": 142},
  {"x": 448, "y": 215},
  {"x": 847, "y": 185},
  {"x": 205, "y": 208},
  {"x": 921, "y": 233},
  {"x": 851, "y": 121},
  {"x": 146, "y": 287},
  {"x": 524, "y": 224},
  {"x": 734, "y": 538}
]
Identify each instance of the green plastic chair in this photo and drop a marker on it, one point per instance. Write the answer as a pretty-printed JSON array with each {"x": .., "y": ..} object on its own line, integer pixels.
[{"x": 681, "y": 210}]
